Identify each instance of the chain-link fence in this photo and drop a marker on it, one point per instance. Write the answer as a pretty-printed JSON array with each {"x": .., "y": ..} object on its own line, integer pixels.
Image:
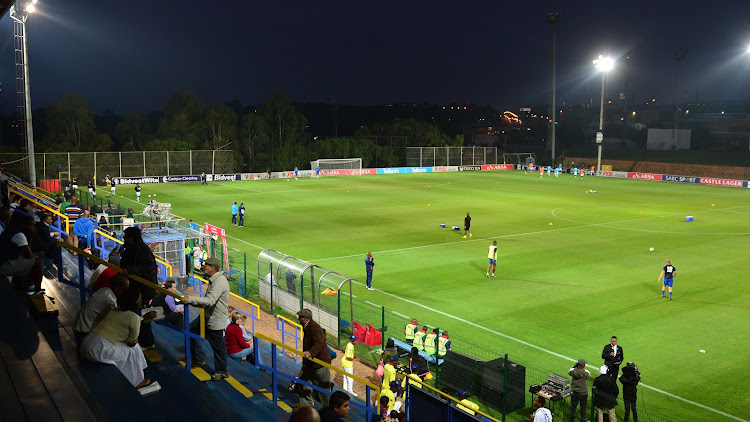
[
  {"x": 450, "y": 156},
  {"x": 95, "y": 166}
]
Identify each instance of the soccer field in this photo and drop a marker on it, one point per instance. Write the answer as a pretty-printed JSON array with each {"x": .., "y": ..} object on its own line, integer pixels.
[{"x": 562, "y": 290}]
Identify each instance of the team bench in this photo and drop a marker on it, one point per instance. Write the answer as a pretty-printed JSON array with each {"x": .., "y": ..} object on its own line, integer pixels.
[{"x": 404, "y": 346}]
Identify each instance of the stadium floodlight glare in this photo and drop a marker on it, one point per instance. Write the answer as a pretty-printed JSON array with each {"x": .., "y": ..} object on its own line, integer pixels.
[
  {"x": 604, "y": 65},
  {"x": 30, "y": 8}
]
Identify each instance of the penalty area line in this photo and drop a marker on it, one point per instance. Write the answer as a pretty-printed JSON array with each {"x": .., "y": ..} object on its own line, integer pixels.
[{"x": 542, "y": 349}]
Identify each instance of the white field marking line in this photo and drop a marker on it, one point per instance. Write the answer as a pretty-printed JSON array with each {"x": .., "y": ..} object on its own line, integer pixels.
[
  {"x": 398, "y": 314},
  {"x": 533, "y": 346},
  {"x": 370, "y": 303},
  {"x": 369, "y": 187},
  {"x": 228, "y": 237}
]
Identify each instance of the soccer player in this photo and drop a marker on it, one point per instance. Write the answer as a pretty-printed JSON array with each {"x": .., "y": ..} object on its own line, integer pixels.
[
  {"x": 317, "y": 172},
  {"x": 467, "y": 225},
  {"x": 138, "y": 192},
  {"x": 112, "y": 187},
  {"x": 549, "y": 169},
  {"x": 92, "y": 189},
  {"x": 668, "y": 272},
  {"x": 242, "y": 214},
  {"x": 541, "y": 171},
  {"x": 296, "y": 173},
  {"x": 204, "y": 179},
  {"x": 369, "y": 265},
  {"x": 575, "y": 171},
  {"x": 557, "y": 172},
  {"x": 492, "y": 255},
  {"x": 235, "y": 210}
]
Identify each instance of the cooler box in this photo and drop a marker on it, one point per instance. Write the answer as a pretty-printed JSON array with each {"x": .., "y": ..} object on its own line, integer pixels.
[
  {"x": 689, "y": 218},
  {"x": 442, "y": 225}
]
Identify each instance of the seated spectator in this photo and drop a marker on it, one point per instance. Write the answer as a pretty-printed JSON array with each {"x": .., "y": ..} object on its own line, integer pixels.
[
  {"x": 413, "y": 379},
  {"x": 173, "y": 314},
  {"x": 15, "y": 201},
  {"x": 420, "y": 362},
  {"x": 97, "y": 306},
  {"x": 16, "y": 257},
  {"x": 103, "y": 274},
  {"x": 114, "y": 341},
  {"x": 464, "y": 404},
  {"x": 5, "y": 214},
  {"x": 389, "y": 371},
  {"x": 245, "y": 334},
  {"x": 305, "y": 414},
  {"x": 390, "y": 350},
  {"x": 338, "y": 408},
  {"x": 103, "y": 225},
  {"x": 45, "y": 239},
  {"x": 237, "y": 347}
]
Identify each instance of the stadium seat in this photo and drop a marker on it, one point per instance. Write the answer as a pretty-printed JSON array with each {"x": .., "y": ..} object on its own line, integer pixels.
[{"x": 359, "y": 331}]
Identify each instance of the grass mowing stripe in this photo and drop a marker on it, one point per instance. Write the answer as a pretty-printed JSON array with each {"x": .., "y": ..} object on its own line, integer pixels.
[{"x": 398, "y": 314}]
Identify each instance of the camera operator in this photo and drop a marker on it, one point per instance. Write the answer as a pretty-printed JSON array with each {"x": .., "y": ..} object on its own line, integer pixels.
[{"x": 630, "y": 378}]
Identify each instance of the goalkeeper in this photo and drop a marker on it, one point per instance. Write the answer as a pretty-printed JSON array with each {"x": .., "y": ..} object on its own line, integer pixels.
[{"x": 492, "y": 255}]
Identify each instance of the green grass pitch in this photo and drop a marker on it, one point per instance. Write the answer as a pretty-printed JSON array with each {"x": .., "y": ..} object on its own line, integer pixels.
[{"x": 562, "y": 290}]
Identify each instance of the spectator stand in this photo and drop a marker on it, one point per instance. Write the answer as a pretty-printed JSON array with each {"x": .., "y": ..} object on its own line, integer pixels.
[
  {"x": 164, "y": 268},
  {"x": 371, "y": 390},
  {"x": 282, "y": 323},
  {"x": 59, "y": 221}
]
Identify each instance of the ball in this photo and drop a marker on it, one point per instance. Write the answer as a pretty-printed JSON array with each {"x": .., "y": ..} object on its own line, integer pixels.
[
  {"x": 651, "y": 249},
  {"x": 149, "y": 196}
]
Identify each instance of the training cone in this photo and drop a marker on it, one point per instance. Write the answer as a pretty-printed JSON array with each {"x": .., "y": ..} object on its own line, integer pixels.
[
  {"x": 550, "y": 223},
  {"x": 497, "y": 182},
  {"x": 428, "y": 186},
  {"x": 428, "y": 205},
  {"x": 712, "y": 205},
  {"x": 586, "y": 192},
  {"x": 347, "y": 191}
]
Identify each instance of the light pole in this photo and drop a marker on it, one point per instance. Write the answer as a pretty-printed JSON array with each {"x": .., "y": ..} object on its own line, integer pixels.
[
  {"x": 552, "y": 20},
  {"x": 19, "y": 12},
  {"x": 604, "y": 65}
]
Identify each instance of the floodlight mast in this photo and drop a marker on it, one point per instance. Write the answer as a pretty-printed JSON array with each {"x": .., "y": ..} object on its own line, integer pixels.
[
  {"x": 19, "y": 12},
  {"x": 604, "y": 65}
]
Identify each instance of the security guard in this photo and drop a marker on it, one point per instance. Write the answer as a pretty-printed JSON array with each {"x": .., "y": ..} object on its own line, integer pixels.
[
  {"x": 409, "y": 331},
  {"x": 429, "y": 343},
  {"x": 444, "y": 344},
  {"x": 419, "y": 338},
  {"x": 466, "y": 405}
]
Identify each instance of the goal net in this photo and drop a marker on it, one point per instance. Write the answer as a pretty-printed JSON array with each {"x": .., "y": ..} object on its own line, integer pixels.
[
  {"x": 337, "y": 164},
  {"x": 521, "y": 158}
]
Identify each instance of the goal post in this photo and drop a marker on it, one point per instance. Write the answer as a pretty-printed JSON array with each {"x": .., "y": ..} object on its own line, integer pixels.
[{"x": 337, "y": 164}]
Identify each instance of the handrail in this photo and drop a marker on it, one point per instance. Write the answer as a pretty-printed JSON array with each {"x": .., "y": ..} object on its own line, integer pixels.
[
  {"x": 448, "y": 396},
  {"x": 156, "y": 258},
  {"x": 257, "y": 308},
  {"x": 43, "y": 190},
  {"x": 289, "y": 321},
  {"x": 28, "y": 189},
  {"x": 318, "y": 361},
  {"x": 48, "y": 208}
]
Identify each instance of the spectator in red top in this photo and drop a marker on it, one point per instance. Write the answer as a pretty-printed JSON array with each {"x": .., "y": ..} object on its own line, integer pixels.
[
  {"x": 102, "y": 279},
  {"x": 237, "y": 347}
]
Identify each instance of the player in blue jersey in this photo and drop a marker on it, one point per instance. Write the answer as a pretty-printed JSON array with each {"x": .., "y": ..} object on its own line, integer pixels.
[
  {"x": 492, "y": 255},
  {"x": 296, "y": 173},
  {"x": 317, "y": 172},
  {"x": 668, "y": 272},
  {"x": 557, "y": 172},
  {"x": 549, "y": 170},
  {"x": 235, "y": 209}
]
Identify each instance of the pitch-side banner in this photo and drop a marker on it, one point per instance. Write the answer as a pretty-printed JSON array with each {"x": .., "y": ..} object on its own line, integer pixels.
[
  {"x": 444, "y": 169},
  {"x": 347, "y": 172},
  {"x": 616, "y": 174},
  {"x": 721, "y": 182},
  {"x": 218, "y": 231},
  {"x": 498, "y": 167},
  {"x": 137, "y": 180},
  {"x": 644, "y": 176},
  {"x": 680, "y": 179},
  {"x": 404, "y": 170}
]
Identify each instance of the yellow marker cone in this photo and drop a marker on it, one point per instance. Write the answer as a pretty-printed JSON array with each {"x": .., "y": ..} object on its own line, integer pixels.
[
  {"x": 347, "y": 191},
  {"x": 550, "y": 223},
  {"x": 712, "y": 205},
  {"x": 428, "y": 205},
  {"x": 428, "y": 186},
  {"x": 586, "y": 192},
  {"x": 640, "y": 212}
]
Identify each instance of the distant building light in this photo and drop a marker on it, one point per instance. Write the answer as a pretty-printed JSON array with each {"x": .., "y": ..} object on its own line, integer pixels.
[
  {"x": 653, "y": 100},
  {"x": 634, "y": 114}
]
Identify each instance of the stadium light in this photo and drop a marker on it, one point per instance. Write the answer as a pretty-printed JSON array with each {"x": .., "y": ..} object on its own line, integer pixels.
[
  {"x": 604, "y": 65},
  {"x": 19, "y": 12}
]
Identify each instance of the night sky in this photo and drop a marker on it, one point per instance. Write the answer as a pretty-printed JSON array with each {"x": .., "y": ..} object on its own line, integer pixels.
[{"x": 125, "y": 55}]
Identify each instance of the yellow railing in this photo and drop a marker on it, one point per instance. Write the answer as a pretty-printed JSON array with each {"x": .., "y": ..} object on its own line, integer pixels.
[
  {"x": 48, "y": 208},
  {"x": 159, "y": 260},
  {"x": 252, "y": 304},
  {"x": 376, "y": 388}
]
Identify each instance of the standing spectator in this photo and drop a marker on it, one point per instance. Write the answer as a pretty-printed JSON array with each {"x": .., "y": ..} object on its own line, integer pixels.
[
  {"x": 369, "y": 266},
  {"x": 347, "y": 363},
  {"x": 204, "y": 179},
  {"x": 419, "y": 338},
  {"x": 466, "y": 405},
  {"x": 338, "y": 408},
  {"x": 389, "y": 371},
  {"x": 97, "y": 306},
  {"x": 216, "y": 302},
  {"x": 630, "y": 378},
  {"x": 114, "y": 341},
  {"x": 192, "y": 225},
  {"x": 290, "y": 279},
  {"x": 580, "y": 376},
  {"x": 16, "y": 257},
  {"x": 107, "y": 180},
  {"x": 137, "y": 189},
  {"x": 605, "y": 396},
  {"x": 541, "y": 414},
  {"x": 613, "y": 356},
  {"x": 92, "y": 189},
  {"x": 73, "y": 212},
  {"x": 314, "y": 346},
  {"x": 269, "y": 173},
  {"x": 242, "y": 214},
  {"x": 199, "y": 256},
  {"x": 138, "y": 259},
  {"x": 409, "y": 331},
  {"x": 237, "y": 347},
  {"x": 668, "y": 272},
  {"x": 235, "y": 209},
  {"x": 173, "y": 314},
  {"x": 390, "y": 350},
  {"x": 492, "y": 254},
  {"x": 83, "y": 229},
  {"x": 467, "y": 225}
]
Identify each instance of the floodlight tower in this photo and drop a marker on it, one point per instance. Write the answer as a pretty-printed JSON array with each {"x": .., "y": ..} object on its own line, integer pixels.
[
  {"x": 19, "y": 12},
  {"x": 679, "y": 55},
  {"x": 604, "y": 65},
  {"x": 552, "y": 20}
]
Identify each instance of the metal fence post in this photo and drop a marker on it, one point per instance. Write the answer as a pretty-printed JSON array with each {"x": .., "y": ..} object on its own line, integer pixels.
[
  {"x": 273, "y": 276},
  {"x": 338, "y": 314},
  {"x": 505, "y": 386},
  {"x": 302, "y": 291}
]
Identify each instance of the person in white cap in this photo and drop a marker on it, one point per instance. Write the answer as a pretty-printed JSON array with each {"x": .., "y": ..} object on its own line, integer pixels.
[{"x": 605, "y": 396}]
